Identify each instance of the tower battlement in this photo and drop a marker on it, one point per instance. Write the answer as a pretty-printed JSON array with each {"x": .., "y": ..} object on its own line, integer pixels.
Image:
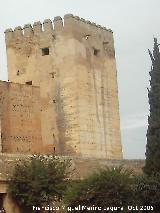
[
  {"x": 70, "y": 23},
  {"x": 73, "y": 63}
]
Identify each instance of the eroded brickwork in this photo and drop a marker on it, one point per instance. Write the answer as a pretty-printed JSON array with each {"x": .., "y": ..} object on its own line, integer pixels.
[
  {"x": 73, "y": 63},
  {"x": 20, "y": 118}
]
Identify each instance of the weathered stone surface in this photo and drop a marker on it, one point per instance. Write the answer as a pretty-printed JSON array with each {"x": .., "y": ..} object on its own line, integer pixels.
[
  {"x": 20, "y": 118},
  {"x": 80, "y": 166},
  {"x": 74, "y": 65}
]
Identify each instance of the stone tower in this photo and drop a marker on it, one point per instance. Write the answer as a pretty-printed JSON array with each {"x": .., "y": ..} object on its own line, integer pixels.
[{"x": 73, "y": 63}]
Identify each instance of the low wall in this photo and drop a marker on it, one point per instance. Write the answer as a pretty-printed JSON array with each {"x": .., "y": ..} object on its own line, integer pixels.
[
  {"x": 81, "y": 166},
  {"x": 84, "y": 167}
]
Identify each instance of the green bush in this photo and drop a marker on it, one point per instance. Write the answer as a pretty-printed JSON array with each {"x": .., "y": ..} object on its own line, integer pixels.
[
  {"x": 38, "y": 181},
  {"x": 109, "y": 187}
]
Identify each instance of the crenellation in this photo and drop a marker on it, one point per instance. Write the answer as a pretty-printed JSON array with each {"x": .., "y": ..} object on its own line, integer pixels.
[
  {"x": 57, "y": 18},
  {"x": 80, "y": 25},
  {"x": 47, "y": 26},
  {"x": 18, "y": 32},
  {"x": 99, "y": 26},
  {"x": 69, "y": 22},
  {"x": 69, "y": 15},
  {"x": 109, "y": 30},
  {"x": 88, "y": 22},
  {"x": 17, "y": 28},
  {"x": 28, "y": 30},
  {"x": 37, "y": 28},
  {"x": 8, "y": 30},
  {"x": 73, "y": 24},
  {"x": 94, "y": 24},
  {"x": 77, "y": 18},
  {"x": 58, "y": 23},
  {"x": 82, "y": 19},
  {"x": 8, "y": 35}
]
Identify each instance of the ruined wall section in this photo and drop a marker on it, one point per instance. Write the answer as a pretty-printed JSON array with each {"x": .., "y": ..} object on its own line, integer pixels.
[
  {"x": 20, "y": 118},
  {"x": 77, "y": 80}
]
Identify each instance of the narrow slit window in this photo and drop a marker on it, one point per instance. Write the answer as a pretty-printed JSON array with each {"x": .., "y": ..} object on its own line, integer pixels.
[
  {"x": 29, "y": 82},
  {"x": 45, "y": 51}
]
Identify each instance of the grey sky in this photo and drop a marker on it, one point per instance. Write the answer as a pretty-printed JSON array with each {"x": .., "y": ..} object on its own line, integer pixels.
[{"x": 134, "y": 24}]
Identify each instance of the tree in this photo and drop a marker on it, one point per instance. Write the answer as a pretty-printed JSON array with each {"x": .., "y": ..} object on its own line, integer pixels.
[
  {"x": 110, "y": 187},
  {"x": 38, "y": 181},
  {"x": 152, "y": 164},
  {"x": 147, "y": 192}
]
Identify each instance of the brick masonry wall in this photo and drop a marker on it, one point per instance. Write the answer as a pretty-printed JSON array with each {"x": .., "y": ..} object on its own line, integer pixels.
[{"x": 20, "y": 118}]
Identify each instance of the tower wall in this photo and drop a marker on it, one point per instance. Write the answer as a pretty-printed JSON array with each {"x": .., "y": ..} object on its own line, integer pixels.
[{"x": 73, "y": 62}]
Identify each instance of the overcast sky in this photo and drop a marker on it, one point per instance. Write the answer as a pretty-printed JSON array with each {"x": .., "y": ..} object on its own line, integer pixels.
[{"x": 134, "y": 23}]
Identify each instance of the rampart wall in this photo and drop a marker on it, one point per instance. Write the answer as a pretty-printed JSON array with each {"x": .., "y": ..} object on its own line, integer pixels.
[{"x": 20, "y": 118}]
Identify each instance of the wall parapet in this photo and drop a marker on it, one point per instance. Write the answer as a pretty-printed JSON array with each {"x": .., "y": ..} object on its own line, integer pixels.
[{"x": 69, "y": 22}]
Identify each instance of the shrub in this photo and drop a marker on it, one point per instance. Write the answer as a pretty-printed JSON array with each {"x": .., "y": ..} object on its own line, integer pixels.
[
  {"x": 110, "y": 187},
  {"x": 38, "y": 181}
]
